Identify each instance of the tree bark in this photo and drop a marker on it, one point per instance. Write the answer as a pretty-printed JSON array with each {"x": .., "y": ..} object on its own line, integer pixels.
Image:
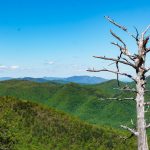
[{"x": 141, "y": 124}]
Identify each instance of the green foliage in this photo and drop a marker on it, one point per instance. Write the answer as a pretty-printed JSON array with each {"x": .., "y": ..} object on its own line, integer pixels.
[
  {"x": 28, "y": 126},
  {"x": 83, "y": 101}
]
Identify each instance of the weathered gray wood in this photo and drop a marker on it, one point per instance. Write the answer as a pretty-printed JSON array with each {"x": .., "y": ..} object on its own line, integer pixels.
[{"x": 141, "y": 125}]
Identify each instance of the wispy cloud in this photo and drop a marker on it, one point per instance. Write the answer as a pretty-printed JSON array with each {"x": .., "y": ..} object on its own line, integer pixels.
[
  {"x": 49, "y": 62},
  {"x": 13, "y": 67},
  {"x": 3, "y": 67}
]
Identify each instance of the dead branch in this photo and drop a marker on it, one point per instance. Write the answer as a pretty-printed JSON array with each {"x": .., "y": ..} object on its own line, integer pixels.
[
  {"x": 117, "y": 37},
  {"x": 129, "y": 129},
  {"x": 147, "y": 50},
  {"x": 137, "y": 34},
  {"x": 116, "y": 24},
  {"x": 126, "y": 60},
  {"x": 147, "y": 103},
  {"x": 148, "y": 126},
  {"x": 115, "y": 72},
  {"x": 147, "y": 69},
  {"x": 116, "y": 60},
  {"x": 119, "y": 26},
  {"x": 118, "y": 99},
  {"x": 126, "y": 89},
  {"x": 123, "y": 50},
  {"x": 143, "y": 33}
]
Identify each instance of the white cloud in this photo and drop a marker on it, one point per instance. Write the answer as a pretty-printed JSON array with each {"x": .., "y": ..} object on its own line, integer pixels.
[
  {"x": 3, "y": 67},
  {"x": 50, "y": 63},
  {"x": 13, "y": 67}
]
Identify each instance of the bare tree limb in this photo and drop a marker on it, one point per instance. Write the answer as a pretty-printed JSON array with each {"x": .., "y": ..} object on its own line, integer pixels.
[
  {"x": 129, "y": 129},
  {"x": 147, "y": 50},
  {"x": 116, "y": 60},
  {"x": 126, "y": 60},
  {"x": 147, "y": 103},
  {"x": 118, "y": 99},
  {"x": 137, "y": 34},
  {"x": 127, "y": 89},
  {"x": 115, "y": 72},
  {"x": 124, "y": 50},
  {"x": 117, "y": 37},
  {"x": 116, "y": 24},
  {"x": 147, "y": 69},
  {"x": 148, "y": 126},
  {"x": 143, "y": 33},
  {"x": 119, "y": 26}
]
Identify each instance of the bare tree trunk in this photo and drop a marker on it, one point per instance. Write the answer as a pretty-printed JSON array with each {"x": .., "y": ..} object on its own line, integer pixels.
[{"x": 141, "y": 124}]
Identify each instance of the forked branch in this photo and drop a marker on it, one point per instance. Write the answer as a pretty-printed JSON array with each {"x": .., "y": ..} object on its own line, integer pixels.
[
  {"x": 123, "y": 50},
  {"x": 129, "y": 129}
]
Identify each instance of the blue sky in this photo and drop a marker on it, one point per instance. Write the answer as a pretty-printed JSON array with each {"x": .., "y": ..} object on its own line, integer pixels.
[{"x": 59, "y": 37}]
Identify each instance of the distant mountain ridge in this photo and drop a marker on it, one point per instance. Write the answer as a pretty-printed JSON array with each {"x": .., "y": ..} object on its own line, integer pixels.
[
  {"x": 85, "y": 79},
  {"x": 75, "y": 79},
  {"x": 5, "y": 78}
]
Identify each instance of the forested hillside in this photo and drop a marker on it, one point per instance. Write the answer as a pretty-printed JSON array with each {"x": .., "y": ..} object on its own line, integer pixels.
[
  {"x": 29, "y": 126},
  {"x": 83, "y": 101}
]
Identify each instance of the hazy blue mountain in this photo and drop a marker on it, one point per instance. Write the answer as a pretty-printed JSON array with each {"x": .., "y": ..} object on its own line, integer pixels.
[
  {"x": 85, "y": 79},
  {"x": 5, "y": 78},
  {"x": 40, "y": 80},
  {"x": 75, "y": 79},
  {"x": 53, "y": 78},
  {"x": 78, "y": 79}
]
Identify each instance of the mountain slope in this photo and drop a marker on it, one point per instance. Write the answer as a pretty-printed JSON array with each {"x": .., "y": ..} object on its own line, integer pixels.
[
  {"x": 83, "y": 101},
  {"x": 39, "y": 92},
  {"x": 26, "y": 125}
]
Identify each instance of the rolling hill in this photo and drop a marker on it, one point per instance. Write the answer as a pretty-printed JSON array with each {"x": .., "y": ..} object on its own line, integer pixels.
[
  {"x": 29, "y": 126},
  {"x": 82, "y": 101}
]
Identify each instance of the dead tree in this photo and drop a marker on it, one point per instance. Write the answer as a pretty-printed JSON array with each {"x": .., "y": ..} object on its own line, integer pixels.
[{"x": 137, "y": 62}]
